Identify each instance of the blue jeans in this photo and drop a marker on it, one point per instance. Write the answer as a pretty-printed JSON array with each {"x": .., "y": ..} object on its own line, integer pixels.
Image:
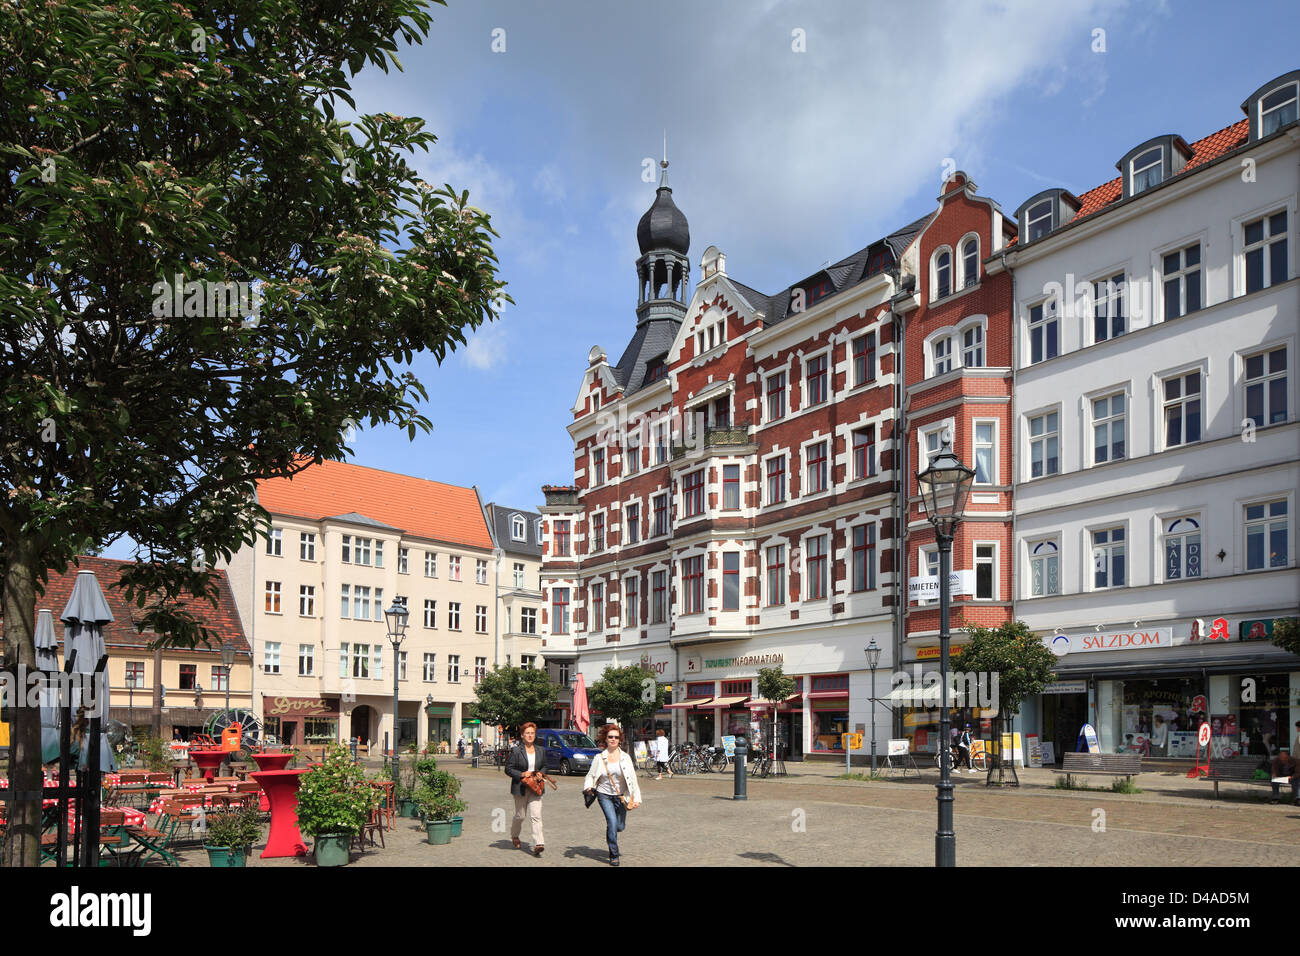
[{"x": 615, "y": 820}]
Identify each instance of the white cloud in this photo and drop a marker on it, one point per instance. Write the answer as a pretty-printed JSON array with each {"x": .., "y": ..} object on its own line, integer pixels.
[
  {"x": 487, "y": 347},
  {"x": 549, "y": 183}
]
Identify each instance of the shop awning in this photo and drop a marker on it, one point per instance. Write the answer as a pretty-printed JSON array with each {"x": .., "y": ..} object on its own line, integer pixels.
[
  {"x": 827, "y": 694},
  {"x": 757, "y": 703},
  {"x": 688, "y": 704},
  {"x": 729, "y": 701},
  {"x": 925, "y": 695}
]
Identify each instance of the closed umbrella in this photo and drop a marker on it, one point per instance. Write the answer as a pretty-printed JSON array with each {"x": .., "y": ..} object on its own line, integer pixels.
[
  {"x": 581, "y": 712},
  {"x": 47, "y": 660},
  {"x": 84, "y": 619}
]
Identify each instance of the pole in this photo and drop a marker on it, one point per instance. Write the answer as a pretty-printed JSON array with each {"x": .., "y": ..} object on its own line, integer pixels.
[
  {"x": 873, "y": 720},
  {"x": 738, "y": 779},
  {"x": 945, "y": 841},
  {"x": 396, "y": 779}
]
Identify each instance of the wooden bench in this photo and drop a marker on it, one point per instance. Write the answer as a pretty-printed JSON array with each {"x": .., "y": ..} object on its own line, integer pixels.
[
  {"x": 1235, "y": 770},
  {"x": 1100, "y": 765}
]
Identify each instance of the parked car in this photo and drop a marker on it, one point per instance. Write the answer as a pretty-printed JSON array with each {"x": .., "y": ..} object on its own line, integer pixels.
[{"x": 568, "y": 751}]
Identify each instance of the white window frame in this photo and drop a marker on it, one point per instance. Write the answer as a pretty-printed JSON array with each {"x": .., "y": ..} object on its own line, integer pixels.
[
  {"x": 1031, "y": 545},
  {"x": 518, "y": 528},
  {"x": 273, "y": 595},
  {"x": 1091, "y": 423},
  {"x": 924, "y": 564},
  {"x": 403, "y": 560},
  {"x": 1111, "y": 295},
  {"x": 346, "y": 611},
  {"x": 604, "y": 463},
  {"x": 275, "y": 543},
  {"x": 805, "y": 576},
  {"x": 1288, "y": 497},
  {"x": 785, "y": 396},
  {"x": 430, "y": 613},
  {"x": 785, "y": 572},
  {"x": 1175, "y": 526},
  {"x": 1091, "y": 548},
  {"x": 306, "y": 546},
  {"x": 1181, "y": 274},
  {"x": 1260, "y": 111},
  {"x": 767, "y": 501},
  {"x": 306, "y": 600},
  {"x": 527, "y": 615},
  {"x": 805, "y": 360},
  {"x": 271, "y": 657},
  {"x": 594, "y": 625},
  {"x": 632, "y": 608},
  {"x": 453, "y": 668},
  {"x": 935, "y": 294},
  {"x": 994, "y": 470},
  {"x": 1163, "y": 405},
  {"x": 430, "y": 668},
  {"x": 1051, "y": 316},
  {"x": 307, "y": 656},
  {"x": 1031, "y": 220},
  {"x": 1030, "y": 438},
  {"x": 803, "y": 468},
  {"x": 453, "y": 615},
  {"x": 431, "y": 564},
  {"x": 630, "y": 461},
  {"x": 480, "y": 618},
  {"x": 975, "y": 349},
  {"x": 1134, "y": 171},
  {"x": 1245, "y": 384},
  {"x": 1239, "y": 249},
  {"x": 923, "y": 434},
  {"x": 993, "y": 561},
  {"x": 453, "y": 567},
  {"x": 941, "y": 358},
  {"x": 967, "y": 281},
  {"x": 480, "y": 570}
]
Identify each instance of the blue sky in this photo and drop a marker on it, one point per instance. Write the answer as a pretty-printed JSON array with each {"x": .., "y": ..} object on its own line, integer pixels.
[{"x": 783, "y": 159}]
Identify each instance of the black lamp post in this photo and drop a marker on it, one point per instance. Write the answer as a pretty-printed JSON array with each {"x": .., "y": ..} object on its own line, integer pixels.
[
  {"x": 944, "y": 486},
  {"x": 873, "y": 658},
  {"x": 227, "y": 661},
  {"x": 396, "y": 617}
]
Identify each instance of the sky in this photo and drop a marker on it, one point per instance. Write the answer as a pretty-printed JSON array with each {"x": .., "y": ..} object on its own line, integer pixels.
[{"x": 797, "y": 133}]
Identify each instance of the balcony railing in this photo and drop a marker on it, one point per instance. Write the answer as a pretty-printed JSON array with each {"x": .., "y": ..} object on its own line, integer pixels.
[{"x": 723, "y": 436}]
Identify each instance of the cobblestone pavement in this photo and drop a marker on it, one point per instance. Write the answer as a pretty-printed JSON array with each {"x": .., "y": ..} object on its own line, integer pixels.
[{"x": 814, "y": 819}]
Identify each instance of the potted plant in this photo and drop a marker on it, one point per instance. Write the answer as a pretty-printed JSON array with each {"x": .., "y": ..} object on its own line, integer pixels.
[
  {"x": 334, "y": 802},
  {"x": 437, "y": 810},
  {"x": 231, "y": 835}
]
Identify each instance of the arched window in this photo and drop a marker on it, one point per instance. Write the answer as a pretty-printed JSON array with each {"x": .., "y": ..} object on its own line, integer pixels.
[
  {"x": 1182, "y": 549},
  {"x": 970, "y": 262},
  {"x": 942, "y": 273},
  {"x": 518, "y": 530}
]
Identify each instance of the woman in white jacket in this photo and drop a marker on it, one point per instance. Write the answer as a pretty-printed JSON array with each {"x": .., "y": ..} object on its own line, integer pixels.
[{"x": 612, "y": 778}]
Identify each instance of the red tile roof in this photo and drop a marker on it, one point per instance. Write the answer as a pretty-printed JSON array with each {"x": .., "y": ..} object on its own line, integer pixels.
[
  {"x": 417, "y": 506},
  {"x": 1203, "y": 151},
  {"x": 223, "y": 619}
]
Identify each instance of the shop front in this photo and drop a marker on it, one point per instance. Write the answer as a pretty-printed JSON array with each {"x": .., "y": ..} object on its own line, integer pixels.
[
  {"x": 438, "y": 717},
  {"x": 1149, "y": 691},
  {"x": 302, "y": 721}
]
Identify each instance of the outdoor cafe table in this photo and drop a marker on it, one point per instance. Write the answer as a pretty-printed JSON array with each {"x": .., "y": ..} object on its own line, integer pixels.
[
  {"x": 281, "y": 787},
  {"x": 208, "y": 761},
  {"x": 275, "y": 760}
]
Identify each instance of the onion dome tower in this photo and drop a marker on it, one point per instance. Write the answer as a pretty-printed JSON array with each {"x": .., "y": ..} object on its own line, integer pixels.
[{"x": 663, "y": 270}]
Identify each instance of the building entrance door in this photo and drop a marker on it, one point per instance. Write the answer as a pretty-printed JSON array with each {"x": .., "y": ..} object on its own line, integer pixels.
[
  {"x": 361, "y": 724},
  {"x": 1063, "y": 715}
]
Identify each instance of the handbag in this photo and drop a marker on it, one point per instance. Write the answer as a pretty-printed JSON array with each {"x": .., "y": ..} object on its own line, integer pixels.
[
  {"x": 627, "y": 799},
  {"x": 536, "y": 782}
]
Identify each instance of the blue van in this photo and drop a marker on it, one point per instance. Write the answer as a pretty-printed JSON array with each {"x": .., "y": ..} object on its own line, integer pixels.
[{"x": 568, "y": 751}]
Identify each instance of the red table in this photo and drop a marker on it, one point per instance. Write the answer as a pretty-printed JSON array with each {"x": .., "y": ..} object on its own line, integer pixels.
[
  {"x": 281, "y": 787},
  {"x": 208, "y": 761},
  {"x": 274, "y": 760}
]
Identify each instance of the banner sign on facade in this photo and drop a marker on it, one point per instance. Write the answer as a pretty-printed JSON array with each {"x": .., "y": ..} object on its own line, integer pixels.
[
  {"x": 301, "y": 707},
  {"x": 1147, "y": 638},
  {"x": 927, "y": 588}
]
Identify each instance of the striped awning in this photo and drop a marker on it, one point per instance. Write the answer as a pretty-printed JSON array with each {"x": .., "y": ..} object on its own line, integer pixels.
[
  {"x": 689, "y": 703},
  {"x": 729, "y": 701},
  {"x": 757, "y": 703},
  {"x": 926, "y": 695}
]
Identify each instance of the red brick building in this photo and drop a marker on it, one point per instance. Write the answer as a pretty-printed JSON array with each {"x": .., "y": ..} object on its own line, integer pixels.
[{"x": 957, "y": 328}]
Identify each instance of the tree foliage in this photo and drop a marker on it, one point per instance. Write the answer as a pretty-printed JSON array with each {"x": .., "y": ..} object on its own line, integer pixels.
[
  {"x": 1286, "y": 634},
  {"x": 152, "y": 145},
  {"x": 510, "y": 696},
  {"x": 773, "y": 684},
  {"x": 627, "y": 695},
  {"x": 1022, "y": 663}
]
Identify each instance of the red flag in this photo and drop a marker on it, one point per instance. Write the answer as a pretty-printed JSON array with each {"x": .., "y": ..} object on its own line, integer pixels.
[{"x": 581, "y": 712}]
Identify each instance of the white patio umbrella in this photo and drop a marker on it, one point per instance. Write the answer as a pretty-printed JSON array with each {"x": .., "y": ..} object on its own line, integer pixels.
[
  {"x": 84, "y": 619},
  {"x": 47, "y": 660}
]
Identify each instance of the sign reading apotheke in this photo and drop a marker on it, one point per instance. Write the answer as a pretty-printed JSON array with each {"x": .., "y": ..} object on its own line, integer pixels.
[
  {"x": 927, "y": 589},
  {"x": 1141, "y": 639}
]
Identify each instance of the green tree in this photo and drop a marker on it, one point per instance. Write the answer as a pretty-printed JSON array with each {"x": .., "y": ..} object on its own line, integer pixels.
[
  {"x": 774, "y": 686},
  {"x": 628, "y": 695},
  {"x": 1013, "y": 664},
  {"x": 1286, "y": 634},
  {"x": 509, "y": 696},
  {"x": 162, "y": 163}
]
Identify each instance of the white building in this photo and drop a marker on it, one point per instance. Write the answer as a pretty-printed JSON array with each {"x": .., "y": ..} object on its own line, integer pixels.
[{"x": 1157, "y": 438}]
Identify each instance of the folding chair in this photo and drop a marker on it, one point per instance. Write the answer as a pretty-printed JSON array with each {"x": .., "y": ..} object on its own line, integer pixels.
[{"x": 158, "y": 839}]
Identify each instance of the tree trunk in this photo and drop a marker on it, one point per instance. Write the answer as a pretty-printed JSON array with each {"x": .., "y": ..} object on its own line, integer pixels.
[{"x": 22, "y": 844}]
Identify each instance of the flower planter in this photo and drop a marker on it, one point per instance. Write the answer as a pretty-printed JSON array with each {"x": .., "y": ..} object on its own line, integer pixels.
[
  {"x": 456, "y": 824},
  {"x": 406, "y": 808},
  {"x": 439, "y": 831},
  {"x": 222, "y": 857},
  {"x": 332, "y": 849}
]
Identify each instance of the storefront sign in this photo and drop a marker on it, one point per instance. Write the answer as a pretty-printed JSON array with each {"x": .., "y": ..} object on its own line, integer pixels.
[
  {"x": 927, "y": 588},
  {"x": 754, "y": 660},
  {"x": 929, "y": 653},
  {"x": 301, "y": 707},
  {"x": 1088, "y": 735},
  {"x": 694, "y": 664},
  {"x": 1144, "y": 639},
  {"x": 1216, "y": 630},
  {"x": 1259, "y": 630},
  {"x": 655, "y": 664},
  {"x": 1067, "y": 687},
  {"x": 1035, "y": 750}
]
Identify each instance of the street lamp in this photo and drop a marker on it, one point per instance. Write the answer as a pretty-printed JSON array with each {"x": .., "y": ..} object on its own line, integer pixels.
[
  {"x": 873, "y": 658},
  {"x": 944, "y": 487},
  {"x": 396, "y": 617},
  {"x": 227, "y": 661}
]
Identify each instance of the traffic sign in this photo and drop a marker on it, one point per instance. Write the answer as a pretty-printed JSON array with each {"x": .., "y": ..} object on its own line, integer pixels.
[{"x": 851, "y": 741}]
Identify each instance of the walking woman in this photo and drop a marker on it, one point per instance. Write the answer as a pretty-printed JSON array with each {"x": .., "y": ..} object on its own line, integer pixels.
[
  {"x": 613, "y": 779},
  {"x": 525, "y": 760}
]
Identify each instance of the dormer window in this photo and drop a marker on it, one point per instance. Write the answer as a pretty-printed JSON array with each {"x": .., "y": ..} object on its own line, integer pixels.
[
  {"x": 654, "y": 371},
  {"x": 1278, "y": 108},
  {"x": 1147, "y": 170},
  {"x": 1038, "y": 220},
  {"x": 518, "y": 530},
  {"x": 815, "y": 293}
]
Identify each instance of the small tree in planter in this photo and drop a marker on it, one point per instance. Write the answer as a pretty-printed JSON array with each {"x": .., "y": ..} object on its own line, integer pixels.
[
  {"x": 438, "y": 809},
  {"x": 334, "y": 803},
  {"x": 231, "y": 835}
]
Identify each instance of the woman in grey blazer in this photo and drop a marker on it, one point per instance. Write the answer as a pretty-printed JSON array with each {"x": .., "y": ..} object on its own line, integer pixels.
[{"x": 525, "y": 759}]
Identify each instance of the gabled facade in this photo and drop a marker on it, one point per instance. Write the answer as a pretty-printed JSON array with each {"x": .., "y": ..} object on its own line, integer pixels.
[
  {"x": 733, "y": 496},
  {"x": 1157, "y": 440},
  {"x": 956, "y": 329}
]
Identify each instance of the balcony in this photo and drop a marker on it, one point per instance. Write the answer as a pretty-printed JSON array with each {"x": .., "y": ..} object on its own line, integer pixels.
[{"x": 720, "y": 437}]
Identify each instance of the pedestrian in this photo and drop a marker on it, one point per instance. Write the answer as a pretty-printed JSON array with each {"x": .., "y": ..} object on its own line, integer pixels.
[
  {"x": 963, "y": 750},
  {"x": 526, "y": 760},
  {"x": 460, "y": 747},
  {"x": 661, "y": 755},
  {"x": 612, "y": 778},
  {"x": 1284, "y": 765}
]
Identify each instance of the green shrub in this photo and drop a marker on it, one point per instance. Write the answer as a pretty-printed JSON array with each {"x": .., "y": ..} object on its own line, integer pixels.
[
  {"x": 234, "y": 828},
  {"x": 156, "y": 755},
  {"x": 336, "y": 796},
  {"x": 1124, "y": 785}
]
